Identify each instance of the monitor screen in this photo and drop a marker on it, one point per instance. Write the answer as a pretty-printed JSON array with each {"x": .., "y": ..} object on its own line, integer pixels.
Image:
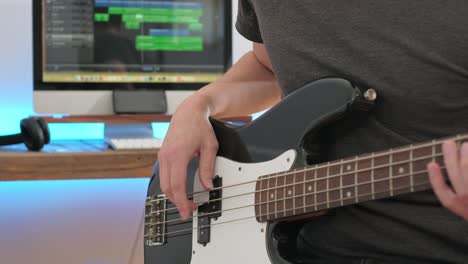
[{"x": 108, "y": 44}]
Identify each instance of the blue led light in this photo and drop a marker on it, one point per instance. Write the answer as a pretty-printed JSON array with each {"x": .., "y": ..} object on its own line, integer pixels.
[
  {"x": 76, "y": 131},
  {"x": 160, "y": 129},
  {"x": 10, "y": 119}
]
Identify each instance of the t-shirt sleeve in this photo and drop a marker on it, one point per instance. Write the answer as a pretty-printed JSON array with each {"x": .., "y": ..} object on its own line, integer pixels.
[{"x": 247, "y": 23}]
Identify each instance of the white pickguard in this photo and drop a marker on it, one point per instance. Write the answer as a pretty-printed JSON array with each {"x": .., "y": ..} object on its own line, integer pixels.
[{"x": 242, "y": 241}]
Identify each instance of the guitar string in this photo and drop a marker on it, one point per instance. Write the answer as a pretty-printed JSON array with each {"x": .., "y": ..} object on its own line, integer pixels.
[
  {"x": 388, "y": 165},
  {"x": 297, "y": 196},
  {"x": 284, "y": 211},
  {"x": 245, "y": 218},
  {"x": 279, "y": 200},
  {"x": 324, "y": 178},
  {"x": 368, "y": 156},
  {"x": 319, "y": 192}
]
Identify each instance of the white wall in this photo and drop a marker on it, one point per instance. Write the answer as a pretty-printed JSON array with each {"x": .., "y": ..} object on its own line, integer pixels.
[{"x": 16, "y": 76}]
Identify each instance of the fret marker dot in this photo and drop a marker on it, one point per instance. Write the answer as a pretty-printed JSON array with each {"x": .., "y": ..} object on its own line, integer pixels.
[
  {"x": 401, "y": 170},
  {"x": 348, "y": 194},
  {"x": 289, "y": 192},
  {"x": 348, "y": 167},
  {"x": 309, "y": 188},
  {"x": 272, "y": 196}
]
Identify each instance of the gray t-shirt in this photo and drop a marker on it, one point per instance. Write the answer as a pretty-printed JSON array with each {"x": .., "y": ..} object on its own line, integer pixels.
[{"x": 415, "y": 54}]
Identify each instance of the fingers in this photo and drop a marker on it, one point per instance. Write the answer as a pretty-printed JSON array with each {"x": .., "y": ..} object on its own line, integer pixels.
[
  {"x": 452, "y": 160},
  {"x": 173, "y": 161},
  {"x": 178, "y": 188},
  {"x": 445, "y": 194},
  {"x": 464, "y": 174},
  {"x": 207, "y": 164},
  {"x": 456, "y": 162},
  {"x": 165, "y": 176},
  {"x": 189, "y": 132},
  {"x": 442, "y": 190},
  {"x": 464, "y": 166},
  {"x": 173, "y": 181}
]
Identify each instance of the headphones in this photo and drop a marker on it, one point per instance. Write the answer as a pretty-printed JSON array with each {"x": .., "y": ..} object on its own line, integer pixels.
[{"x": 34, "y": 134}]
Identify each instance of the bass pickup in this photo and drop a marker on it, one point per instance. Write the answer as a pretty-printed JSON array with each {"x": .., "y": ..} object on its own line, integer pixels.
[{"x": 210, "y": 210}]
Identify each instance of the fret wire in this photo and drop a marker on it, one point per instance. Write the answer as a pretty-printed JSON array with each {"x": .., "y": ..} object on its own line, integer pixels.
[
  {"x": 391, "y": 173},
  {"x": 356, "y": 191},
  {"x": 332, "y": 176},
  {"x": 411, "y": 168},
  {"x": 459, "y": 137},
  {"x": 236, "y": 208},
  {"x": 276, "y": 197},
  {"x": 364, "y": 183},
  {"x": 284, "y": 194},
  {"x": 294, "y": 192},
  {"x": 328, "y": 185},
  {"x": 268, "y": 199},
  {"x": 341, "y": 183},
  {"x": 315, "y": 189},
  {"x": 372, "y": 176},
  {"x": 372, "y": 179},
  {"x": 255, "y": 204},
  {"x": 304, "y": 191},
  {"x": 433, "y": 151},
  {"x": 261, "y": 195}
]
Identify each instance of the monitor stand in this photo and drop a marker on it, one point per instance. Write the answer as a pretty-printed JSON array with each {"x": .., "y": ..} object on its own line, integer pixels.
[
  {"x": 139, "y": 101},
  {"x": 130, "y": 131}
]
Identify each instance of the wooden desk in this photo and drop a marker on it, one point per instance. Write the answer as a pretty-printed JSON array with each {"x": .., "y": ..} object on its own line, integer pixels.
[
  {"x": 62, "y": 160},
  {"x": 128, "y": 119}
]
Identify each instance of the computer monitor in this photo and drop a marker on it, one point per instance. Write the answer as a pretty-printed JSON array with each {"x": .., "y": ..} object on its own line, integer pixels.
[{"x": 85, "y": 49}]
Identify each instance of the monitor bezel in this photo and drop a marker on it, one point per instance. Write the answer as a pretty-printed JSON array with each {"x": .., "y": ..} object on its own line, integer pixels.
[{"x": 39, "y": 85}]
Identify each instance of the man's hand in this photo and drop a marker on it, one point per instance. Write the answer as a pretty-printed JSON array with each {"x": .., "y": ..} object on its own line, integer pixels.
[
  {"x": 456, "y": 162},
  {"x": 190, "y": 134},
  {"x": 248, "y": 87}
]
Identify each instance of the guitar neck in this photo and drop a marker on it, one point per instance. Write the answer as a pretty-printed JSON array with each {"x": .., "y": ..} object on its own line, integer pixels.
[{"x": 345, "y": 182}]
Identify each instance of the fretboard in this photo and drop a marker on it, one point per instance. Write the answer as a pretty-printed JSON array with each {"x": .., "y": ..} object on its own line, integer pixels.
[{"x": 348, "y": 181}]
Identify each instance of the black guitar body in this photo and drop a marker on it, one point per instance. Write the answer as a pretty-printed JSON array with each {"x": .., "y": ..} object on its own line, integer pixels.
[{"x": 294, "y": 123}]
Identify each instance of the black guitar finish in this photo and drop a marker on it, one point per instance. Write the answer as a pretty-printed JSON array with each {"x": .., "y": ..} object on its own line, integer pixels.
[{"x": 284, "y": 127}]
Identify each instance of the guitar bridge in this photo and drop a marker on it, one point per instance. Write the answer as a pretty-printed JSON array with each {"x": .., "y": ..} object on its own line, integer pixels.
[{"x": 155, "y": 220}]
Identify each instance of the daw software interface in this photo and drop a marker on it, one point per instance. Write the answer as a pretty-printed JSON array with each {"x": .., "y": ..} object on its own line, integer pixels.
[{"x": 133, "y": 41}]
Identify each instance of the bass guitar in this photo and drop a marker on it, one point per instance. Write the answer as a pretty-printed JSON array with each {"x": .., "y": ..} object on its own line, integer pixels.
[{"x": 265, "y": 180}]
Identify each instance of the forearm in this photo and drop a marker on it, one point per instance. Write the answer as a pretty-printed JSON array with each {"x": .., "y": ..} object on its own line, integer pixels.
[{"x": 248, "y": 87}]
